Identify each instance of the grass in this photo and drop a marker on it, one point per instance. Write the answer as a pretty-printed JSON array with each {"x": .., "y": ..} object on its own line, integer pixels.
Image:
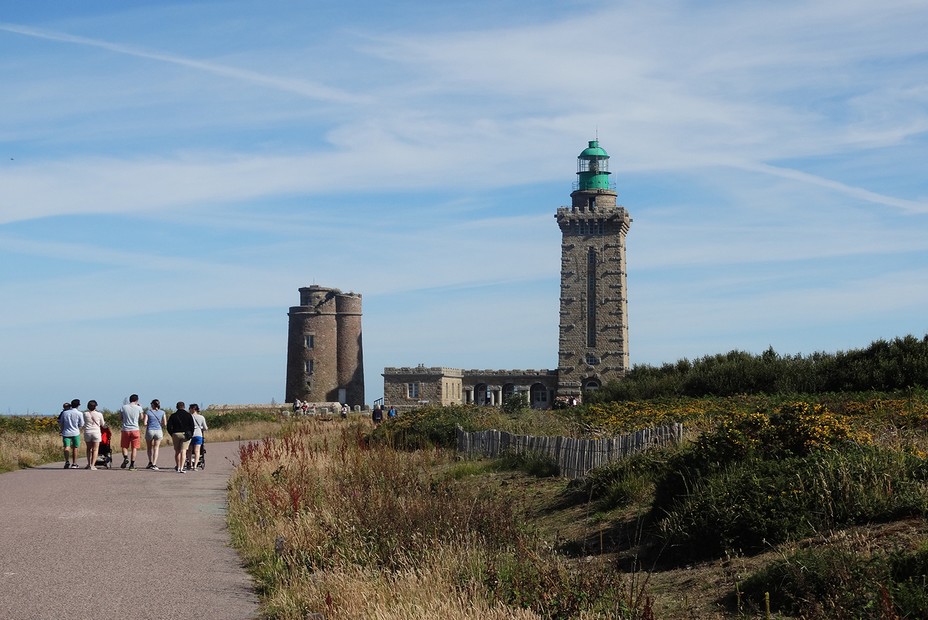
[
  {"x": 330, "y": 523},
  {"x": 20, "y": 450},
  {"x": 694, "y": 531},
  {"x": 844, "y": 573}
]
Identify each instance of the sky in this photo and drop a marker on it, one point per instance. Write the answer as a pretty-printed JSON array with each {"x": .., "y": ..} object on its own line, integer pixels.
[{"x": 172, "y": 172}]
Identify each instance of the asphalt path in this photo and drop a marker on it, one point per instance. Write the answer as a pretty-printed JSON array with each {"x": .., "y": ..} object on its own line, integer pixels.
[{"x": 115, "y": 543}]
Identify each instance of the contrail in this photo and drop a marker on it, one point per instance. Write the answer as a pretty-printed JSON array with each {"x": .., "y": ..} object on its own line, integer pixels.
[
  {"x": 299, "y": 87},
  {"x": 909, "y": 206}
]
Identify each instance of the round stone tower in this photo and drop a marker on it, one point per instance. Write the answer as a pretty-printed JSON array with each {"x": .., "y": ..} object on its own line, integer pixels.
[
  {"x": 350, "y": 352},
  {"x": 324, "y": 354}
]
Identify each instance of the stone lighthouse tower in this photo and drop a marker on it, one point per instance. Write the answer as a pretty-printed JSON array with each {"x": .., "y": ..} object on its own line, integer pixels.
[
  {"x": 324, "y": 353},
  {"x": 593, "y": 345}
]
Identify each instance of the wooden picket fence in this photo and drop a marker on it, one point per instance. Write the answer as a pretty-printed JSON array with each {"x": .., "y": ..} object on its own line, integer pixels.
[{"x": 575, "y": 457}]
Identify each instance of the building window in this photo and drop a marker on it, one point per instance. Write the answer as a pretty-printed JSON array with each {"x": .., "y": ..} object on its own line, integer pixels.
[
  {"x": 591, "y": 299},
  {"x": 412, "y": 390},
  {"x": 309, "y": 341},
  {"x": 591, "y": 359},
  {"x": 310, "y": 367}
]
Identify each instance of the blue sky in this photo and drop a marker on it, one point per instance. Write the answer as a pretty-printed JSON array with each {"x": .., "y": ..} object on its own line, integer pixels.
[{"x": 172, "y": 172}]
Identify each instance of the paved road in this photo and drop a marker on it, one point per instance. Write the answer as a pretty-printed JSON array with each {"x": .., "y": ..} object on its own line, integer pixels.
[{"x": 78, "y": 544}]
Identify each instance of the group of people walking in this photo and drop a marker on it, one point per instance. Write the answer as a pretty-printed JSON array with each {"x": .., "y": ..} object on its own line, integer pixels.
[{"x": 185, "y": 427}]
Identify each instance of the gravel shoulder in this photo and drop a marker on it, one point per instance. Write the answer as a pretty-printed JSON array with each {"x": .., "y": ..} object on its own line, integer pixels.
[{"x": 121, "y": 544}]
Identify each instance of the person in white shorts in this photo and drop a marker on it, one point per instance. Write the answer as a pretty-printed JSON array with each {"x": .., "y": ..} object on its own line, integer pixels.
[
  {"x": 155, "y": 421},
  {"x": 93, "y": 422}
]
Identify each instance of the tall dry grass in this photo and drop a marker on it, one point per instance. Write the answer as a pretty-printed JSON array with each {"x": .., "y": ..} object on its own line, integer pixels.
[
  {"x": 330, "y": 524},
  {"x": 431, "y": 590},
  {"x": 21, "y": 450}
]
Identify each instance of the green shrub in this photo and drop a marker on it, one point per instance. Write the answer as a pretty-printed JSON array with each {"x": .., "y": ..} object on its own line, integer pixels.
[
  {"x": 908, "y": 572},
  {"x": 818, "y": 583},
  {"x": 794, "y": 429},
  {"x": 621, "y": 482},
  {"x": 840, "y": 582},
  {"x": 427, "y": 427},
  {"x": 756, "y": 503},
  {"x": 224, "y": 420},
  {"x": 887, "y": 366},
  {"x": 435, "y": 426},
  {"x": 514, "y": 403},
  {"x": 28, "y": 424}
]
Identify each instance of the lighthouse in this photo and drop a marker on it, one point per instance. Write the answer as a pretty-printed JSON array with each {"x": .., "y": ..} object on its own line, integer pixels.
[{"x": 593, "y": 332}]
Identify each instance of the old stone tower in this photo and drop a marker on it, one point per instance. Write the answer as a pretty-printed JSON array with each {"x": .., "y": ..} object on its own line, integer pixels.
[
  {"x": 324, "y": 353},
  {"x": 593, "y": 346}
]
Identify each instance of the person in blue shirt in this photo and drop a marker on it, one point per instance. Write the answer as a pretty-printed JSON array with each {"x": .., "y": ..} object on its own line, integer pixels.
[
  {"x": 155, "y": 422},
  {"x": 71, "y": 421}
]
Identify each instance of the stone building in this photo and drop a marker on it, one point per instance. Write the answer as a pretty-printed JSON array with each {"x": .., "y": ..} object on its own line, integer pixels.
[
  {"x": 408, "y": 387},
  {"x": 420, "y": 385},
  {"x": 324, "y": 352},
  {"x": 593, "y": 331}
]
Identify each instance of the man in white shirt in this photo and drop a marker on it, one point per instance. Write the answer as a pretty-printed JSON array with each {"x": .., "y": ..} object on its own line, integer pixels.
[{"x": 130, "y": 439}]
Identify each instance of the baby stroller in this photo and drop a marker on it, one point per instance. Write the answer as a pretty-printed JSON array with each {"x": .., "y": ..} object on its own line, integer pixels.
[
  {"x": 201, "y": 464},
  {"x": 105, "y": 453}
]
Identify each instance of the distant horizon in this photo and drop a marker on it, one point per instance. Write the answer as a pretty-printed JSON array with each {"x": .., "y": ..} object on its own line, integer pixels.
[
  {"x": 173, "y": 172},
  {"x": 206, "y": 406}
]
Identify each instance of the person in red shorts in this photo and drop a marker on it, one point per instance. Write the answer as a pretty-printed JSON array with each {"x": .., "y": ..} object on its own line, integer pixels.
[{"x": 130, "y": 440}]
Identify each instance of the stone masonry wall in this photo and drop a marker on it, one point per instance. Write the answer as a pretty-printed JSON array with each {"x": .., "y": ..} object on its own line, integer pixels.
[
  {"x": 324, "y": 351},
  {"x": 593, "y": 333}
]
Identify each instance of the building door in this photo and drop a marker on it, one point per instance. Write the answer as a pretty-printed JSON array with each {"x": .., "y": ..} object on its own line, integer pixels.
[{"x": 540, "y": 397}]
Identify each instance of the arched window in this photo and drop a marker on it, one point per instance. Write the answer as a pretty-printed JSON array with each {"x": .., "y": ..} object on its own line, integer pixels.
[
  {"x": 539, "y": 394},
  {"x": 481, "y": 394},
  {"x": 508, "y": 390}
]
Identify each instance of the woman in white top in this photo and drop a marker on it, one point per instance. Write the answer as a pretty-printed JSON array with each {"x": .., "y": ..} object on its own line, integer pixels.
[
  {"x": 196, "y": 442},
  {"x": 93, "y": 421}
]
